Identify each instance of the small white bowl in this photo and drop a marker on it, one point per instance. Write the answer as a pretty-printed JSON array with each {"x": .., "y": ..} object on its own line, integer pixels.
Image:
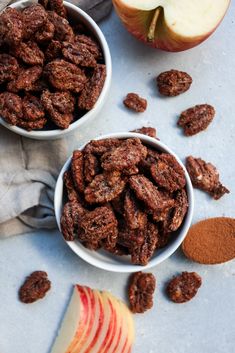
[
  {"x": 75, "y": 13},
  {"x": 105, "y": 260}
]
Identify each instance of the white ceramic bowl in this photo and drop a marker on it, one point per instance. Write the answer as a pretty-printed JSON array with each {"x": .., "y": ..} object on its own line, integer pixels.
[
  {"x": 75, "y": 13},
  {"x": 105, "y": 260}
]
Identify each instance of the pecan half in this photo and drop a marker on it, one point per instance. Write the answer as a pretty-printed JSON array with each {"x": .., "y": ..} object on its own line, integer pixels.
[
  {"x": 11, "y": 27},
  {"x": 35, "y": 287},
  {"x": 29, "y": 53},
  {"x": 91, "y": 167},
  {"x": 10, "y": 107},
  {"x": 134, "y": 216},
  {"x": 34, "y": 17},
  {"x": 32, "y": 108},
  {"x": 77, "y": 166},
  {"x": 141, "y": 290},
  {"x": 71, "y": 215},
  {"x": 149, "y": 131},
  {"x": 172, "y": 83},
  {"x": 184, "y": 287},
  {"x": 168, "y": 173},
  {"x": 205, "y": 176},
  {"x": 196, "y": 119},
  {"x": 9, "y": 68},
  {"x": 70, "y": 187},
  {"x": 25, "y": 79},
  {"x": 134, "y": 102},
  {"x": 78, "y": 54}
]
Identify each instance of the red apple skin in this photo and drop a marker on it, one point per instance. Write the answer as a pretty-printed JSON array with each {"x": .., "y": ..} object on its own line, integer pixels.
[{"x": 165, "y": 39}]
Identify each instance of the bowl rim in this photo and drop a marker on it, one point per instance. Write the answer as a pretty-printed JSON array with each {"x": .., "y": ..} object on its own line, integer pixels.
[
  {"x": 86, "y": 254},
  {"x": 56, "y": 134}
]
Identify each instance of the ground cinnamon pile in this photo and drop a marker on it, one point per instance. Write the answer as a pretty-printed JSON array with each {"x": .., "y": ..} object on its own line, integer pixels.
[{"x": 211, "y": 241}]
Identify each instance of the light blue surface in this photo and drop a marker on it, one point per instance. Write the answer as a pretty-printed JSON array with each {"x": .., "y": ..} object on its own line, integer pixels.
[{"x": 206, "y": 324}]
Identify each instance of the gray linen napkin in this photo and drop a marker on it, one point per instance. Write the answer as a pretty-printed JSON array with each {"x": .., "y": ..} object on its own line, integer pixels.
[{"x": 29, "y": 168}]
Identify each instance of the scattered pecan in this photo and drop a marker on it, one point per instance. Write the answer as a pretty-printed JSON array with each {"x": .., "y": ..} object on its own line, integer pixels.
[
  {"x": 60, "y": 106},
  {"x": 93, "y": 88},
  {"x": 127, "y": 155},
  {"x": 168, "y": 173},
  {"x": 29, "y": 53},
  {"x": 71, "y": 217},
  {"x": 205, "y": 176},
  {"x": 196, "y": 119},
  {"x": 134, "y": 102},
  {"x": 91, "y": 167},
  {"x": 10, "y": 107},
  {"x": 25, "y": 79},
  {"x": 134, "y": 216},
  {"x": 65, "y": 76},
  {"x": 63, "y": 30},
  {"x": 141, "y": 254},
  {"x": 78, "y": 54},
  {"x": 32, "y": 108},
  {"x": 97, "y": 225},
  {"x": 45, "y": 33},
  {"x": 148, "y": 193},
  {"x": 8, "y": 68},
  {"x": 141, "y": 290},
  {"x": 184, "y": 287},
  {"x": 11, "y": 27},
  {"x": 104, "y": 187},
  {"x": 172, "y": 83},
  {"x": 149, "y": 131},
  {"x": 77, "y": 166},
  {"x": 35, "y": 287},
  {"x": 34, "y": 17}
]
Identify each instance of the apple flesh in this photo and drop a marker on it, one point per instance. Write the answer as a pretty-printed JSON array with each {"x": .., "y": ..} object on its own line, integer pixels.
[
  {"x": 171, "y": 25},
  {"x": 95, "y": 322}
]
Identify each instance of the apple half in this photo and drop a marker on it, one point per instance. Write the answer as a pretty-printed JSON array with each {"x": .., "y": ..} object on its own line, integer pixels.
[
  {"x": 171, "y": 25},
  {"x": 95, "y": 322}
]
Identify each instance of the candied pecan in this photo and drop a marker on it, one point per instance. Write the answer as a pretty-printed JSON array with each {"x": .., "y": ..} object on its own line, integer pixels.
[
  {"x": 71, "y": 216},
  {"x": 91, "y": 167},
  {"x": 93, "y": 88},
  {"x": 29, "y": 53},
  {"x": 34, "y": 17},
  {"x": 148, "y": 193},
  {"x": 127, "y": 155},
  {"x": 10, "y": 107},
  {"x": 78, "y": 54},
  {"x": 104, "y": 187},
  {"x": 151, "y": 158},
  {"x": 179, "y": 210},
  {"x": 140, "y": 292},
  {"x": 172, "y": 83},
  {"x": 25, "y": 79},
  {"x": 54, "y": 50},
  {"x": 134, "y": 216},
  {"x": 32, "y": 108},
  {"x": 130, "y": 171},
  {"x": 45, "y": 33},
  {"x": 32, "y": 125},
  {"x": 89, "y": 44},
  {"x": 134, "y": 102},
  {"x": 58, "y": 7},
  {"x": 35, "y": 287},
  {"x": 8, "y": 68},
  {"x": 63, "y": 30},
  {"x": 70, "y": 187},
  {"x": 98, "y": 224},
  {"x": 77, "y": 166},
  {"x": 130, "y": 238},
  {"x": 205, "y": 176},
  {"x": 196, "y": 119},
  {"x": 11, "y": 27},
  {"x": 141, "y": 254},
  {"x": 99, "y": 147},
  {"x": 184, "y": 287},
  {"x": 59, "y": 106},
  {"x": 65, "y": 76},
  {"x": 168, "y": 173},
  {"x": 149, "y": 131}
]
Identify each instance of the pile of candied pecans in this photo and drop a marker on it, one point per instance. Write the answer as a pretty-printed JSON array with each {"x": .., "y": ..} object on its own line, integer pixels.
[
  {"x": 123, "y": 197},
  {"x": 51, "y": 71}
]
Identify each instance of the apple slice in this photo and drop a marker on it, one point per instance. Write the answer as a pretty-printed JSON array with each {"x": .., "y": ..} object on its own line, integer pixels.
[
  {"x": 95, "y": 322},
  {"x": 171, "y": 25}
]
